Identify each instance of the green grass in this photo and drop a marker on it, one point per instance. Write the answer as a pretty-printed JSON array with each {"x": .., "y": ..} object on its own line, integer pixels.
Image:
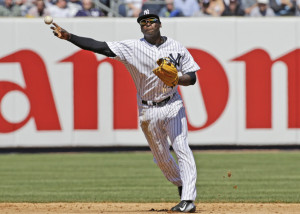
[{"x": 133, "y": 177}]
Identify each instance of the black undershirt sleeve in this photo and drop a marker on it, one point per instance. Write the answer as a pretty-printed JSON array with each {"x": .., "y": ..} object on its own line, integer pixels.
[{"x": 92, "y": 45}]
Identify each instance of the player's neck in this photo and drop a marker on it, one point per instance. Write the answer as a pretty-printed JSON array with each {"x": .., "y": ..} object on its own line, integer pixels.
[{"x": 157, "y": 40}]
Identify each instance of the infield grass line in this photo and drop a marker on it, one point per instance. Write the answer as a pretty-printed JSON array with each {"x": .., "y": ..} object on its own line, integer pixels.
[{"x": 134, "y": 177}]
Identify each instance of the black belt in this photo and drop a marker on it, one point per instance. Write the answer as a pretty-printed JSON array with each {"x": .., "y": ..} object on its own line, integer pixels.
[{"x": 161, "y": 103}]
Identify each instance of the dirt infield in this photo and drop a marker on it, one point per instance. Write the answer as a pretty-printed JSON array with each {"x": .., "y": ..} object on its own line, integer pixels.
[{"x": 148, "y": 208}]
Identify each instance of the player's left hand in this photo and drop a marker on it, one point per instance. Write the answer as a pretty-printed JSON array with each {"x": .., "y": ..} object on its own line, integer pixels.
[
  {"x": 167, "y": 72},
  {"x": 60, "y": 32}
]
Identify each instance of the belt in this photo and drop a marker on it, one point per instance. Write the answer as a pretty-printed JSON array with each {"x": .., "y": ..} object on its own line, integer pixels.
[{"x": 161, "y": 103}]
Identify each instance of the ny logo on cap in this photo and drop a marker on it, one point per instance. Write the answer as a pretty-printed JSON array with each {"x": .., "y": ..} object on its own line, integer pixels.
[{"x": 146, "y": 12}]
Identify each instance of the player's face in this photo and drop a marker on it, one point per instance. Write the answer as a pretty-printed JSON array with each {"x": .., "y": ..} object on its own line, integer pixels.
[{"x": 150, "y": 26}]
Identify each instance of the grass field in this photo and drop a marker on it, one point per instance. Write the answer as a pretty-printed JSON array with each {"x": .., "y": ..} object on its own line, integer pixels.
[{"x": 133, "y": 177}]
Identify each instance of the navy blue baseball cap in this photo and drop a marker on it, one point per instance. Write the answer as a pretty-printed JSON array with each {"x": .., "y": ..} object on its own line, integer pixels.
[{"x": 147, "y": 13}]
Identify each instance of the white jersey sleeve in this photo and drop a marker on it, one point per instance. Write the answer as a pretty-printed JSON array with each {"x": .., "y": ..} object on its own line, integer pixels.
[
  {"x": 188, "y": 63},
  {"x": 123, "y": 49}
]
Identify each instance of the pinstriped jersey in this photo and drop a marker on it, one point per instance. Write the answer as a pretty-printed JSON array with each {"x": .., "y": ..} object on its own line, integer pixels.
[{"x": 140, "y": 58}]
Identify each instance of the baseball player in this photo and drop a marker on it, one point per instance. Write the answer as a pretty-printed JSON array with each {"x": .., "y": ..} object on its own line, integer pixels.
[{"x": 154, "y": 62}]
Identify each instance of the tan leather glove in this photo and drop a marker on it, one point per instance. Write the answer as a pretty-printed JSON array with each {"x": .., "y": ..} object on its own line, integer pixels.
[{"x": 166, "y": 71}]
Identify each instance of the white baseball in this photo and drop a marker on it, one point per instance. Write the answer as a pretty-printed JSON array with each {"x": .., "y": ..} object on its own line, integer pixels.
[{"x": 48, "y": 20}]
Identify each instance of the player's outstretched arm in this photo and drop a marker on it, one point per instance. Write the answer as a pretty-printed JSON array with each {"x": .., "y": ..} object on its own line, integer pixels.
[
  {"x": 187, "y": 79},
  {"x": 82, "y": 42}
]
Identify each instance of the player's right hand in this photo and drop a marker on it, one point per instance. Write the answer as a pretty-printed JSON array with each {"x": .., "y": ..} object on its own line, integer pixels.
[{"x": 60, "y": 32}]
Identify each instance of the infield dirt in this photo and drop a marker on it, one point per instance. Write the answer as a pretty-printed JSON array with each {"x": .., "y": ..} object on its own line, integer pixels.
[{"x": 146, "y": 208}]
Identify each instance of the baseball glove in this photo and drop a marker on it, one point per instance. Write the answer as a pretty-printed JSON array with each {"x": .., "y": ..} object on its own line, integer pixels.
[{"x": 166, "y": 71}]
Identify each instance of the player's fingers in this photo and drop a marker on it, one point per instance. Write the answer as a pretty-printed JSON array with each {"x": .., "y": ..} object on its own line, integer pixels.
[
  {"x": 56, "y": 25},
  {"x": 56, "y": 32}
]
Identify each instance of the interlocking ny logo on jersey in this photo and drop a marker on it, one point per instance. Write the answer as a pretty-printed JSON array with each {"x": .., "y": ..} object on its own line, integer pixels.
[
  {"x": 146, "y": 12},
  {"x": 176, "y": 61}
]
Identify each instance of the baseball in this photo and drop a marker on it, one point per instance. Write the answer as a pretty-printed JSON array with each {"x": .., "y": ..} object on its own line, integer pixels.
[{"x": 48, "y": 20}]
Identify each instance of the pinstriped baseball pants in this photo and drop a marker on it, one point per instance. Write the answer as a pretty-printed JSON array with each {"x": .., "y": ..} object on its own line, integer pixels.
[{"x": 169, "y": 122}]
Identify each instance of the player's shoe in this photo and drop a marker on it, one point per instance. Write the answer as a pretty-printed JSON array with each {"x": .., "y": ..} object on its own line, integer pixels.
[
  {"x": 184, "y": 207},
  {"x": 180, "y": 191}
]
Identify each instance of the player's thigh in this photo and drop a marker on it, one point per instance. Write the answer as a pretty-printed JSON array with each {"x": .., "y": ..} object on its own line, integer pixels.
[
  {"x": 176, "y": 127},
  {"x": 154, "y": 131}
]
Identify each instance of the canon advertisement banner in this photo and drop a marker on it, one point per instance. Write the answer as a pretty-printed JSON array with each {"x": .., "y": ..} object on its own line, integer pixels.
[{"x": 54, "y": 94}]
